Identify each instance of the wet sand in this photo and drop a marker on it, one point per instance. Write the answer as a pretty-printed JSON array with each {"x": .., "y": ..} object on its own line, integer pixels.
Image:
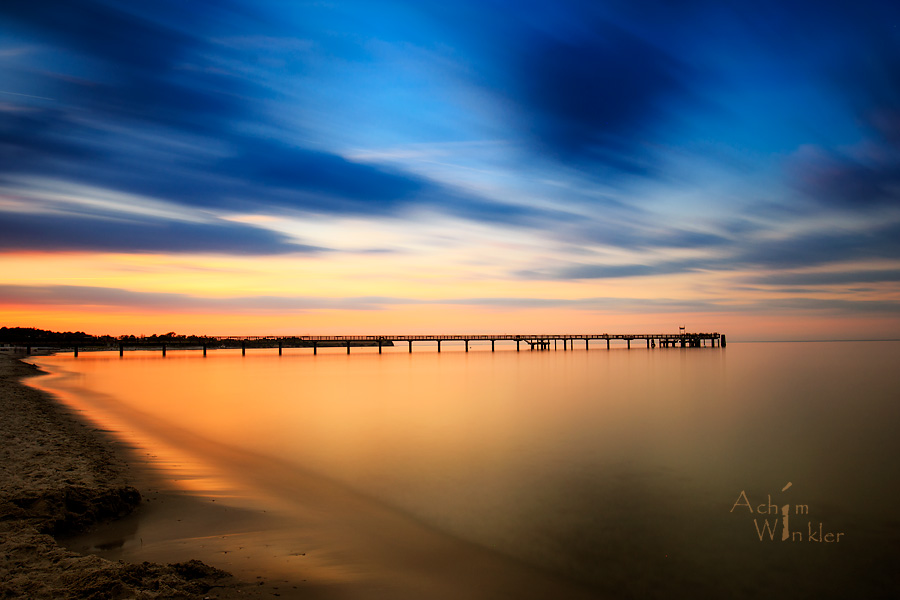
[{"x": 59, "y": 476}]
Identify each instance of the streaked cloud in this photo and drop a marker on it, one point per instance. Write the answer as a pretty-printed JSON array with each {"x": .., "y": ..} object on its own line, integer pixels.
[
  {"x": 57, "y": 233},
  {"x": 839, "y": 278}
]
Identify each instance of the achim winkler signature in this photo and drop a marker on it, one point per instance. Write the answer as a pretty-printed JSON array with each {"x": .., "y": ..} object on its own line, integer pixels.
[{"x": 768, "y": 529}]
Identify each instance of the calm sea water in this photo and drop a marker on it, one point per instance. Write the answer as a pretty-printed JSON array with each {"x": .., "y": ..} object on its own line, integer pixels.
[{"x": 628, "y": 473}]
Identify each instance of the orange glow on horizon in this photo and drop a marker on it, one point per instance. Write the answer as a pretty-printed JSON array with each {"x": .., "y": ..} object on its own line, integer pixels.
[{"x": 434, "y": 319}]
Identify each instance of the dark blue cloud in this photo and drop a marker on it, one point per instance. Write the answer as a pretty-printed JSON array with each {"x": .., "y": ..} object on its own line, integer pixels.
[
  {"x": 577, "y": 86},
  {"x": 134, "y": 61},
  {"x": 594, "y": 97},
  {"x": 818, "y": 248},
  {"x": 776, "y": 257},
  {"x": 32, "y": 140},
  {"x": 865, "y": 180},
  {"x": 103, "y": 29},
  {"x": 19, "y": 231},
  {"x": 332, "y": 183},
  {"x": 252, "y": 174},
  {"x": 821, "y": 248},
  {"x": 863, "y": 77}
]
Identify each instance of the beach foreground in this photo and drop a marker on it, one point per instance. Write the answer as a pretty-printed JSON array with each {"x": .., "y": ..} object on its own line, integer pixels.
[{"x": 60, "y": 476}]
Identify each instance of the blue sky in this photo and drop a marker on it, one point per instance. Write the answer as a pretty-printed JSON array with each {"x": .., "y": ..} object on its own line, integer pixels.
[{"x": 751, "y": 150}]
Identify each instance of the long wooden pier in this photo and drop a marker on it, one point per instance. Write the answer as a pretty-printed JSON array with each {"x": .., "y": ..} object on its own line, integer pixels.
[{"x": 531, "y": 342}]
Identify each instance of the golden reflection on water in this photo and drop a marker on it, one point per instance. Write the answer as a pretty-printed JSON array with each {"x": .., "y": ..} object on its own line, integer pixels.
[{"x": 602, "y": 465}]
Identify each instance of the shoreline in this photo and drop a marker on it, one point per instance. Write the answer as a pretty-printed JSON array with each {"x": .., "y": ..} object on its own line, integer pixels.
[{"x": 62, "y": 477}]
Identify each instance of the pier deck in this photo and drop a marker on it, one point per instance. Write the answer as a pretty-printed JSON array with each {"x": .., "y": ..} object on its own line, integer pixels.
[{"x": 531, "y": 342}]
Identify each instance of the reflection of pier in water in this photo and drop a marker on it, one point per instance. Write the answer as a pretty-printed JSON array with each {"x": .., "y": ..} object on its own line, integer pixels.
[{"x": 532, "y": 342}]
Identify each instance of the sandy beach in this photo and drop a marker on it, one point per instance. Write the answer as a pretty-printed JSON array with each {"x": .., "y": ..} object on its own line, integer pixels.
[{"x": 59, "y": 477}]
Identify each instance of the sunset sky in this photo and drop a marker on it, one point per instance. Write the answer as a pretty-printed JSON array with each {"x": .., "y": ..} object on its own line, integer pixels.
[{"x": 444, "y": 167}]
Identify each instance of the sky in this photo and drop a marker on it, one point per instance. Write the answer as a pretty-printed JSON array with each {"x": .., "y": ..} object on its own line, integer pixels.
[{"x": 276, "y": 167}]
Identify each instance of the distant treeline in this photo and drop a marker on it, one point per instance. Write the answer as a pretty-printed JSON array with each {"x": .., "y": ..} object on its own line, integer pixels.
[{"x": 29, "y": 336}]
